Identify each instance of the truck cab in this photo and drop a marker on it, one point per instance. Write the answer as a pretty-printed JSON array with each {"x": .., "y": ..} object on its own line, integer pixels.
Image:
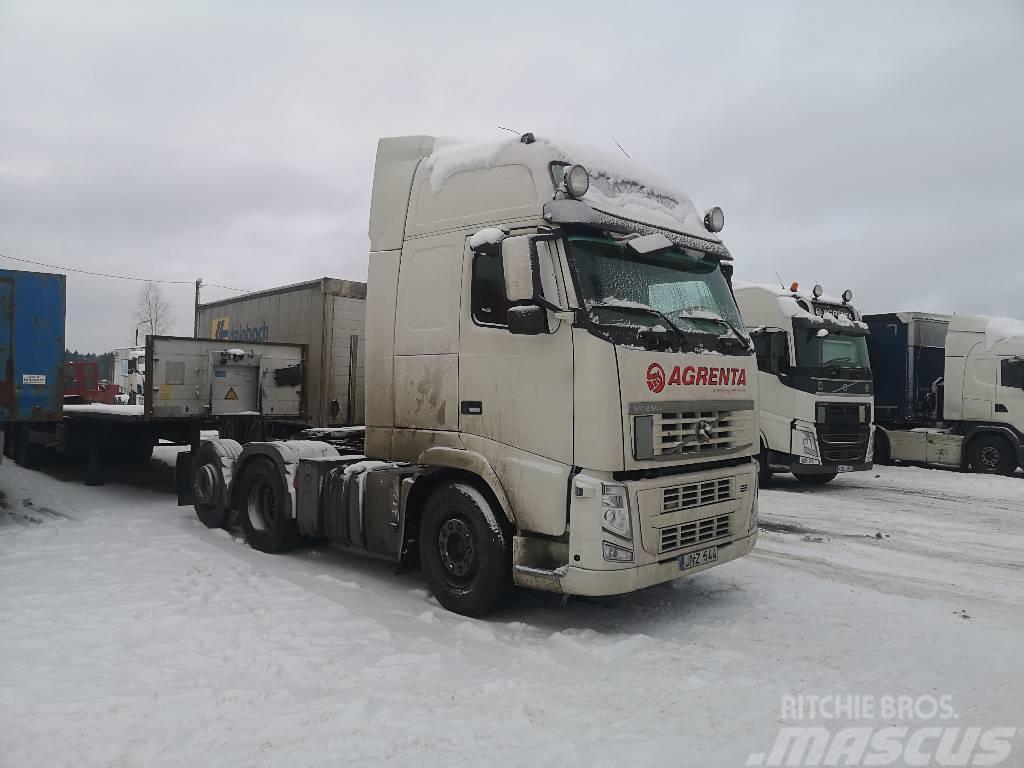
[
  {"x": 559, "y": 390},
  {"x": 950, "y": 390},
  {"x": 814, "y": 380}
]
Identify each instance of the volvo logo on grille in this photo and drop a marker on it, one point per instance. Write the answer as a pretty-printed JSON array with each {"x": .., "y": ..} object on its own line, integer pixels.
[{"x": 704, "y": 432}]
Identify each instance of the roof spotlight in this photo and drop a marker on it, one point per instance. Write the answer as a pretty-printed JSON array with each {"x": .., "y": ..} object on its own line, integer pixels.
[
  {"x": 577, "y": 180},
  {"x": 714, "y": 219},
  {"x": 817, "y": 291},
  {"x": 847, "y": 296}
]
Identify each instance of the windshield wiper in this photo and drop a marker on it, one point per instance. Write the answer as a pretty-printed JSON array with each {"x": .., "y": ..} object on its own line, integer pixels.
[
  {"x": 722, "y": 321},
  {"x": 648, "y": 310}
]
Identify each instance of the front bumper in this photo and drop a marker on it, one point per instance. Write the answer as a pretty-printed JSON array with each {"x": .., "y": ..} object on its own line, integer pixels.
[
  {"x": 671, "y": 515},
  {"x": 572, "y": 580}
]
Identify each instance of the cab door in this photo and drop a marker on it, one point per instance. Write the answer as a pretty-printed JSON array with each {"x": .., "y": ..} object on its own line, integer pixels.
[{"x": 515, "y": 391}]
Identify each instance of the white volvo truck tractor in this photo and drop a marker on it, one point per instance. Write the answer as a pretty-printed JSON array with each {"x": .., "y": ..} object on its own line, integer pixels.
[
  {"x": 559, "y": 393},
  {"x": 814, "y": 381}
]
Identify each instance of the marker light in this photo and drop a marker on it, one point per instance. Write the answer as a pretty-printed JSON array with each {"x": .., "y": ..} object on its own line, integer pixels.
[
  {"x": 577, "y": 180},
  {"x": 714, "y": 219},
  {"x": 818, "y": 290},
  {"x": 847, "y": 296},
  {"x": 794, "y": 287}
]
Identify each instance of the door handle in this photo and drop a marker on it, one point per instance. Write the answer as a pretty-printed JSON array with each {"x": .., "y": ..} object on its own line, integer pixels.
[{"x": 471, "y": 407}]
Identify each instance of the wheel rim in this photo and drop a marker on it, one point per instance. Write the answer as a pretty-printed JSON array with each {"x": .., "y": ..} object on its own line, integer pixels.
[
  {"x": 989, "y": 456},
  {"x": 458, "y": 551},
  {"x": 204, "y": 485},
  {"x": 262, "y": 506}
]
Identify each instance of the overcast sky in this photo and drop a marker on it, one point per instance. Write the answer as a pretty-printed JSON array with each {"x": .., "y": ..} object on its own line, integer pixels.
[{"x": 872, "y": 146}]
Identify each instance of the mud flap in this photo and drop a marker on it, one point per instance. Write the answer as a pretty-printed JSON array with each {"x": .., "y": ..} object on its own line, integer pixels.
[{"x": 183, "y": 479}]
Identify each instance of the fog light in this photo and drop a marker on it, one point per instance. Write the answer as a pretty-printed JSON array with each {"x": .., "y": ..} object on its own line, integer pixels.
[
  {"x": 615, "y": 554},
  {"x": 615, "y": 511},
  {"x": 577, "y": 180},
  {"x": 817, "y": 291},
  {"x": 847, "y": 296}
]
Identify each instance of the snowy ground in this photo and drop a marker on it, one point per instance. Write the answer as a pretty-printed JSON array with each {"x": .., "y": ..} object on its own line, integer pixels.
[{"x": 132, "y": 636}]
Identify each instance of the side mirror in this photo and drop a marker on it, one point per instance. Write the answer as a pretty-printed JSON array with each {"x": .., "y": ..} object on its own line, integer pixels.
[
  {"x": 518, "y": 266},
  {"x": 527, "y": 320}
]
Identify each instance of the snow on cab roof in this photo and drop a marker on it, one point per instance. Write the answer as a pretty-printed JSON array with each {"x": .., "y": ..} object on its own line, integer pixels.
[
  {"x": 619, "y": 186},
  {"x": 780, "y": 291},
  {"x": 997, "y": 330}
]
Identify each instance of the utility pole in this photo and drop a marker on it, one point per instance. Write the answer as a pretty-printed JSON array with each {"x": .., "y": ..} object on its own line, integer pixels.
[{"x": 195, "y": 325}]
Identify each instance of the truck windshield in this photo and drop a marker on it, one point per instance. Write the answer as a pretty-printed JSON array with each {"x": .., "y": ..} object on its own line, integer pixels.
[
  {"x": 617, "y": 285},
  {"x": 832, "y": 353}
]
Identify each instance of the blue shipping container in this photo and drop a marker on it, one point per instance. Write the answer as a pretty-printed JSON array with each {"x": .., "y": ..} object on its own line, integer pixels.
[{"x": 32, "y": 306}]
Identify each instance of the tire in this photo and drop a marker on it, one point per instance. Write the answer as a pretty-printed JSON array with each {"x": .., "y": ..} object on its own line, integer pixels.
[
  {"x": 764, "y": 474},
  {"x": 465, "y": 550},
  {"x": 264, "y": 508},
  {"x": 815, "y": 479},
  {"x": 212, "y": 505},
  {"x": 992, "y": 455}
]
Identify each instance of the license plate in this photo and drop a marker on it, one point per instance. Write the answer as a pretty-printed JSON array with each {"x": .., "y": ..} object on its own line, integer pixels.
[
  {"x": 701, "y": 557},
  {"x": 844, "y": 468}
]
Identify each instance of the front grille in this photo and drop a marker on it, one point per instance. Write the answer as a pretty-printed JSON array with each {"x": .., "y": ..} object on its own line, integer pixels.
[
  {"x": 843, "y": 445},
  {"x": 696, "y": 532},
  {"x": 688, "y": 433},
  {"x": 693, "y": 495}
]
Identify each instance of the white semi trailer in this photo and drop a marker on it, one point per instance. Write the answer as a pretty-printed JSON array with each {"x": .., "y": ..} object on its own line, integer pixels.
[
  {"x": 949, "y": 390},
  {"x": 559, "y": 393},
  {"x": 814, "y": 381}
]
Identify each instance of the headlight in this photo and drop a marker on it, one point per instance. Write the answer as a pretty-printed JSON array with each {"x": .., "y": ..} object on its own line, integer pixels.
[
  {"x": 615, "y": 511},
  {"x": 616, "y": 554}
]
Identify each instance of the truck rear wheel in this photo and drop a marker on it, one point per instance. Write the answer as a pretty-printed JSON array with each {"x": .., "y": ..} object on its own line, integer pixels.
[
  {"x": 816, "y": 479},
  {"x": 265, "y": 507},
  {"x": 208, "y": 487},
  {"x": 992, "y": 455},
  {"x": 465, "y": 552}
]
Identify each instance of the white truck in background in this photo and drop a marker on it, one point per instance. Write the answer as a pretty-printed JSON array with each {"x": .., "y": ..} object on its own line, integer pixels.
[
  {"x": 814, "y": 381},
  {"x": 559, "y": 393},
  {"x": 949, "y": 390},
  {"x": 130, "y": 374}
]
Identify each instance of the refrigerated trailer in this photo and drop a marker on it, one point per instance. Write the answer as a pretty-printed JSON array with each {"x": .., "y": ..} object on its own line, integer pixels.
[
  {"x": 32, "y": 306},
  {"x": 949, "y": 390},
  {"x": 559, "y": 392}
]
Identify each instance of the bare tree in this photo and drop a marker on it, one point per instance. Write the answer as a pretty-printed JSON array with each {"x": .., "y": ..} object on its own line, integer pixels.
[{"x": 152, "y": 311}]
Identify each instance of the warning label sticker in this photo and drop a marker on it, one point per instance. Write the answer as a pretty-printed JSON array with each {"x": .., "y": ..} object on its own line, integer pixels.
[{"x": 231, "y": 395}]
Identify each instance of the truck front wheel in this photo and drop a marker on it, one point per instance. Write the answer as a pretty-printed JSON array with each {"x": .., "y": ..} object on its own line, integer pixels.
[
  {"x": 992, "y": 455},
  {"x": 264, "y": 508},
  {"x": 465, "y": 552}
]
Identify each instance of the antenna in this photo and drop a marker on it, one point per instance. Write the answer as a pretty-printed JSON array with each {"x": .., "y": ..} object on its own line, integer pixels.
[
  {"x": 510, "y": 130},
  {"x": 620, "y": 147},
  {"x": 782, "y": 284}
]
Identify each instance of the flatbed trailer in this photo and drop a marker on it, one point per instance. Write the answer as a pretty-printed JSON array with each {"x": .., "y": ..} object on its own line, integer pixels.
[{"x": 249, "y": 389}]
